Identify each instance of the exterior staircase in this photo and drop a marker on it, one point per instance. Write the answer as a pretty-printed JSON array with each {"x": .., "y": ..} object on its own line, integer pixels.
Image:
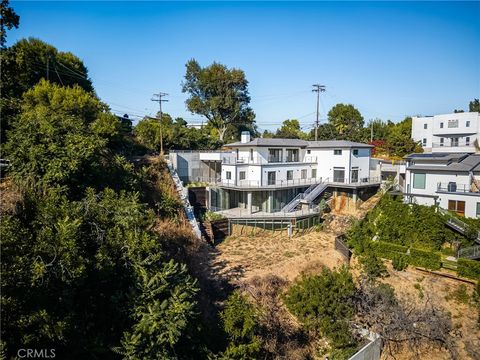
[
  {"x": 472, "y": 252},
  {"x": 308, "y": 196},
  {"x": 458, "y": 225},
  {"x": 183, "y": 192}
]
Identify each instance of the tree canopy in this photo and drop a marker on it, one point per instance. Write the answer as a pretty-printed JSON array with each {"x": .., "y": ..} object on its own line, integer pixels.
[
  {"x": 220, "y": 94},
  {"x": 290, "y": 129},
  {"x": 474, "y": 105},
  {"x": 9, "y": 20}
]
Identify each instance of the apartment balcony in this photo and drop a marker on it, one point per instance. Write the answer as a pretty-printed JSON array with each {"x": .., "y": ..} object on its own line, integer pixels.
[
  {"x": 257, "y": 160},
  {"x": 454, "y": 188},
  {"x": 453, "y": 144}
]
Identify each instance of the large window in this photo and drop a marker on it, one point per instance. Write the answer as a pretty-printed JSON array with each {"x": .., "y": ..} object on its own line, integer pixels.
[
  {"x": 419, "y": 181},
  {"x": 478, "y": 209},
  {"x": 274, "y": 155},
  {"x": 243, "y": 175},
  {"x": 425, "y": 126},
  {"x": 314, "y": 173},
  {"x": 453, "y": 123},
  {"x": 292, "y": 155},
  {"x": 457, "y": 206},
  {"x": 467, "y": 141},
  {"x": 467, "y": 124},
  {"x": 229, "y": 175},
  {"x": 304, "y": 173},
  {"x": 424, "y": 142},
  {"x": 337, "y": 152},
  {"x": 441, "y": 125},
  {"x": 355, "y": 152},
  {"x": 251, "y": 155},
  {"x": 289, "y": 174}
]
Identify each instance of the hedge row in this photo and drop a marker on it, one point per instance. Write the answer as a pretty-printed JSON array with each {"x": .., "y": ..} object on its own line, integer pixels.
[
  {"x": 388, "y": 250},
  {"x": 426, "y": 259},
  {"x": 468, "y": 268},
  {"x": 416, "y": 257}
]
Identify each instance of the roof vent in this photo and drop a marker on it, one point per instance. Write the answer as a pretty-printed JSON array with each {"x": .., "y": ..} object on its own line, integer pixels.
[{"x": 245, "y": 137}]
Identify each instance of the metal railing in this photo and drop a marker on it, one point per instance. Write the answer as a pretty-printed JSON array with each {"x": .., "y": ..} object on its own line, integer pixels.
[
  {"x": 257, "y": 213},
  {"x": 258, "y": 160},
  {"x": 257, "y": 183},
  {"x": 273, "y": 184},
  {"x": 453, "y": 187},
  {"x": 472, "y": 252},
  {"x": 452, "y": 144}
]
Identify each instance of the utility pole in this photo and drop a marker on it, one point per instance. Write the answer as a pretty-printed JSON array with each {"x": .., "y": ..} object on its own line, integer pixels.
[
  {"x": 318, "y": 89},
  {"x": 158, "y": 98}
]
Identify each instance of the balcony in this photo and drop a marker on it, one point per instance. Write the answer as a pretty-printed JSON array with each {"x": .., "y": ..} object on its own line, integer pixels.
[
  {"x": 257, "y": 160},
  {"x": 454, "y": 188},
  {"x": 453, "y": 144},
  {"x": 278, "y": 184}
]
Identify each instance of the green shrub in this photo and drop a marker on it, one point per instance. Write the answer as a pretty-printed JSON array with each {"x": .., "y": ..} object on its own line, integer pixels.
[
  {"x": 323, "y": 303},
  {"x": 460, "y": 295},
  {"x": 468, "y": 268},
  {"x": 400, "y": 262},
  {"x": 372, "y": 266},
  {"x": 240, "y": 320},
  {"x": 387, "y": 250},
  {"x": 424, "y": 258},
  {"x": 212, "y": 216}
]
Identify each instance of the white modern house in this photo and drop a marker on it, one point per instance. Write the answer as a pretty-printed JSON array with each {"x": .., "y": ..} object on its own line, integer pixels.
[
  {"x": 457, "y": 132},
  {"x": 279, "y": 177},
  {"x": 448, "y": 180}
]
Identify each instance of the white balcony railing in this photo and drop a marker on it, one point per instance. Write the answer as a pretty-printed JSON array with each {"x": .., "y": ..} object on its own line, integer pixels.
[
  {"x": 449, "y": 144},
  {"x": 453, "y": 187},
  {"x": 270, "y": 183},
  {"x": 257, "y": 160}
]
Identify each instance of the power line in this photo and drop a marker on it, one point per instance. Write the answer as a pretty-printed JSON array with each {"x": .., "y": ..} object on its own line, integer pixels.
[{"x": 318, "y": 89}]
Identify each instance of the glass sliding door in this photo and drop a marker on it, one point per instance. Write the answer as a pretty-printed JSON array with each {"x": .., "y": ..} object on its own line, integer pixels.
[
  {"x": 354, "y": 175},
  {"x": 271, "y": 176},
  {"x": 339, "y": 175}
]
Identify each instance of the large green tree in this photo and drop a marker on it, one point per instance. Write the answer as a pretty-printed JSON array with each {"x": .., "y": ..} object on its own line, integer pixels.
[
  {"x": 347, "y": 122},
  {"x": 220, "y": 94},
  {"x": 474, "y": 105},
  {"x": 61, "y": 138},
  {"x": 290, "y": 129},
  {"x": 399, "y": 142},
  {"x": 9, "y": 20},
  {"x": 27, "y": 62}
]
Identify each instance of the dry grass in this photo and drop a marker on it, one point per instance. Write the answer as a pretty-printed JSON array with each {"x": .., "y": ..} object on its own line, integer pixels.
[{"x": 436, "y": 289}]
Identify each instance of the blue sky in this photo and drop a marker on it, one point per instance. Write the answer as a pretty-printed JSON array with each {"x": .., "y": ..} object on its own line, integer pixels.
[{"x": 389, "y": 59}]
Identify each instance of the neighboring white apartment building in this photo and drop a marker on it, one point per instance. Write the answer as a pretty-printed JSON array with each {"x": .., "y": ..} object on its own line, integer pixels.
[
  {"x": 449, "y": 180},
  {"x": 457, "y": 132}
]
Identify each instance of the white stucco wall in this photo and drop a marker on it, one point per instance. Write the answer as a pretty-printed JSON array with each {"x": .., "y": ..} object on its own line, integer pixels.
[
  {"x": 431, "y": 183},
  {"x": 435, "y": 131}
]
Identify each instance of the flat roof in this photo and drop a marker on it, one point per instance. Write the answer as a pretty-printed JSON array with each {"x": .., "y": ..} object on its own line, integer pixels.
[
  {"x": 276, "y": 142},
  {"x": 449, "y": 162}
]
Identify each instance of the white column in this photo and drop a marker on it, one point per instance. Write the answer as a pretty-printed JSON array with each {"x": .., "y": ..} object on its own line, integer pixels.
[{"x": 249, "y": 202}]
